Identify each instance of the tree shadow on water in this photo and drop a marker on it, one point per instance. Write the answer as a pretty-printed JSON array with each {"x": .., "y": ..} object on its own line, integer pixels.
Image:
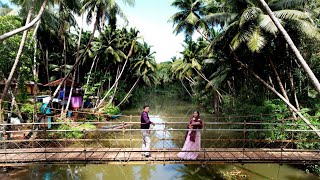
[
  {"x": 306, "y": 177},
  {"x": 192, "y": 172}
]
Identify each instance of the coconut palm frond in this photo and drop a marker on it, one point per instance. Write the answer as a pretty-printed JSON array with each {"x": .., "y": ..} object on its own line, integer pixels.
[
  {"x": 249, "y": 14},
  {"x": 308, "y": 29},
  {"x": 289, "y": 14},
  {"x": 267, "y": 24},
  {"x": 220, "y": 17},
  {"x": 129, "y": 2},
  {"x": 242, "y": 36},
  {"x": 288, "y": 4},
  {"x": 256, "y": 41},
  {"x": 192, "y": 19},
  {"x": 195, "y": 64}
]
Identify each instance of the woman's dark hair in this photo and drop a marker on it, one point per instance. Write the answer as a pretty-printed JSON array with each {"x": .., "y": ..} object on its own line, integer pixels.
[
  {"x": 198, "y": 115},
  {"x": 145, "y": 106}
]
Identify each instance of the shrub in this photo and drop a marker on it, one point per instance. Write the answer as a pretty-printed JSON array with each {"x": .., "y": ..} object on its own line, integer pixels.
[
  {"x": 111, "y": 110},
  {"x": 28, "y": 109},
  {"x": 76, "y": 130}
]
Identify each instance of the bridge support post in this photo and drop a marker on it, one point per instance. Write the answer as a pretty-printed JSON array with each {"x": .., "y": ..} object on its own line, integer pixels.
[
  {"x": 204, "y": 137},
  {"x": 163, "y": 142},
  {"x": 84, "y": 144},
  {"x": 130, "y": 131},
  {"x": 1, "y": 112},
  {"x": 45, "y": 147},
  {"x": 245, "y": 138},
  {"x": 282, "y": 132}
]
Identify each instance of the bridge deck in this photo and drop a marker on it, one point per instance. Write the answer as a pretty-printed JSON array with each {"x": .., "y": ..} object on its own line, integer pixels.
[{"x": 13, "y": 157}]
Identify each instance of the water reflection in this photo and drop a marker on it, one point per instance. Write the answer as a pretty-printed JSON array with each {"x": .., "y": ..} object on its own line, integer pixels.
[
  {"x": 158, "y": 172},
  {"x": 160, "y": 132}
]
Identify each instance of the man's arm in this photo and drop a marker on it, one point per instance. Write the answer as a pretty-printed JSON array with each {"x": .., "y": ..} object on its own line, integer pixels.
[{"x": 146, "y": 118}]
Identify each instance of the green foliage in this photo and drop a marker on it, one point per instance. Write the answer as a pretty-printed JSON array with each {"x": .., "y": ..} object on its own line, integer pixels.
[
  {"x": 73, "y": 131},
  {"x": 111, "y": 110},
  {"x": 308, "y": 135},
  {"x": 9, "y": 47},
  {"x": 28, "y": 108},
  {"x": 313, "y": 169},
  {"x": 91, "y": 117}
]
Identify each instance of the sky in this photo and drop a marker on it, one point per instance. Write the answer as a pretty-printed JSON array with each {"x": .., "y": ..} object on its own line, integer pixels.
[{"x": 151, "y": 17}]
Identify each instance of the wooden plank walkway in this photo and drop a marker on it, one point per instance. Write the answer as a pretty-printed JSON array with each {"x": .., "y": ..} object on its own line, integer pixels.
[{"x": 13, "y": 157}]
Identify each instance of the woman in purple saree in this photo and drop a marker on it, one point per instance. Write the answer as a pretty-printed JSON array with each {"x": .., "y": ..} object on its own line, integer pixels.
[{"x": 192, "y": 139}]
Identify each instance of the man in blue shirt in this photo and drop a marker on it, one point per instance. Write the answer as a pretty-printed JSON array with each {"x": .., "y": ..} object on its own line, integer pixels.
[{"x": 145, "y": 125}]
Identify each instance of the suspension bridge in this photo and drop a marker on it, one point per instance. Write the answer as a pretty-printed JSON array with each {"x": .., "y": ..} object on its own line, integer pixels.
[{"x": 119, "y": 142}]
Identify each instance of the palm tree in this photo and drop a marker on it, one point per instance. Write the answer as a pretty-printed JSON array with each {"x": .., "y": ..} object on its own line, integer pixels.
[
  {"x": 164, "y": 73},
  {"x": 304, "y": 64},
  {"x": 23, "y": 40},
  {"x": 254, "y": 29},
  {"x": 102, "y": 10},
  {"x": 66, "y": 20},
  {"x": 27, "y": 25},
  {"x": 144, "y": 67},
  {"x": 116, "y": 46},
  {"x": 250, "y": 28},
  {"x": 188, "y": 19},
  {"x": 189, "y": 64}
]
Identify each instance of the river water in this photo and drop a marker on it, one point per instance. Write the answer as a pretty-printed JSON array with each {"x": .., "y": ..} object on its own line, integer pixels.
[{"x": 161, "y": 109}]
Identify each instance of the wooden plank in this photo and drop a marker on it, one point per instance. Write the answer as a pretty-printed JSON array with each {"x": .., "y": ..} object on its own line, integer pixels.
[{"x": 159, "y": 156}]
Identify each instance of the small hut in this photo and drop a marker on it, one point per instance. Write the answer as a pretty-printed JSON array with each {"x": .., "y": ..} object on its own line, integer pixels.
[
  {"x": 29, "y": 86},
  {"x": 77, "y": 95}
]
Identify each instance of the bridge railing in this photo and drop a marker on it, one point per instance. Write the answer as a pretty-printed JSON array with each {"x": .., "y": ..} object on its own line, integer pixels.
[{"x": 169, "y": 133}]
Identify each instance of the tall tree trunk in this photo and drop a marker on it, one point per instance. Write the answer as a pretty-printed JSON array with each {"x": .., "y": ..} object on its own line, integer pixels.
[
  {"x": 280, "y": 96},
  {"x": 65, "y": 73},
  {"x": 303, "y": 63},
  {"x": 288, "y": 103},
  {"x": 284, "y": 92},
  {"x": 125, "y": 63},
  {"x": 100, "y": 89},
  {"x": 115, "y": 90},
  {"x": 8, "y": 81},
  {"x": 34, "y": 71},
  {"x": 27, "y": 25},
  {"x": 71, "y": 89},
  {"x": 204, "y": 36},
  {"x": 216, "y": 94},
  {"x": 64, "y": 79},
  {"x": 125, "y": 98},
  {"x": 15, "y": 104},
  {"x": 271, "y": 82},
  {"x": 293, "y": 91},
  {"x": 185, "y": 88},
  {"x": 47, "y": 68},
  {"x": 216, "y": 102},
  {"x": 35, "y": 81},
  {"x": 78, "y": 46},
  {"x": 89, "y": 74},
  {"x": 15, "y": 64}
]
